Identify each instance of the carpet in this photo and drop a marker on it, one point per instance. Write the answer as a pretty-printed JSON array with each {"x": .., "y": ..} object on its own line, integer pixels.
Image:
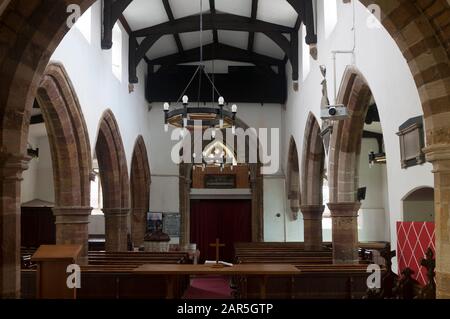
[{"x": 209, "y": 288}]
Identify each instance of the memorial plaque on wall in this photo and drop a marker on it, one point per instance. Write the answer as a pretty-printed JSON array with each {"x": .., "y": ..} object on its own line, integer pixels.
[
  {"x": 171, "y": 224},
  {"x": 412, "y": 142}
]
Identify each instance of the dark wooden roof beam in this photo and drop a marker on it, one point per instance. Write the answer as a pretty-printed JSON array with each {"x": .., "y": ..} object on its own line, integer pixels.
[
  {"x": 218, "y": 51},
  {"x": 251, "y": 35},
  {"x": 171, "y": 17},
  {"x": 223, "y": 21},
  {"x": 112, "y": 11}
]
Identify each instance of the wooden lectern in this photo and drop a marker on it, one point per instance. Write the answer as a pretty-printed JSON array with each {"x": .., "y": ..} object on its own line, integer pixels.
[{"x": 52, "y": 262}]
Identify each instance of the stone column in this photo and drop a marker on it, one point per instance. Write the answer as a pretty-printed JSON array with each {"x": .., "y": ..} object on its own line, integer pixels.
[
  {"x": 439, "y": 156},
  {"x": 312, "y": 217},
  {"x": 72, "y": 227},
  {"x": 11, "y": 169},
  {"x": 138, "y": 226},
  {"x": 257, "y": 188},
  {"x": 185, "y": 204},
  {"x": 116, "y": 229},
  {"x": 294, "y": 203},
  {"x": 345, "y": 232}
]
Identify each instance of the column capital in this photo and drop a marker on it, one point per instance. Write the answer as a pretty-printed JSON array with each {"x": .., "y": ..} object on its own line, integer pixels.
[
  {"x": 312, "y": 212},
  {"x": 72, "y": 210},
  {"x": 13, "y": 165},
  {"x": 349, "y": 209},
  {"x": 116, "y": 211},
  {"x": 72, "y": 215},
  {"x": 439, "y": 156}
]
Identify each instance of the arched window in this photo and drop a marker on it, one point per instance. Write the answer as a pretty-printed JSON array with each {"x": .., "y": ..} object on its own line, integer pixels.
[
  {"x": 84, "y": 25},
  {"x": 117, "y": 52},
  {"x": 216, "y": 153},
  {"x": 330, "y": 16},
  {"x": 96, "y": 191},
  {"x": 306, "y": 57}
]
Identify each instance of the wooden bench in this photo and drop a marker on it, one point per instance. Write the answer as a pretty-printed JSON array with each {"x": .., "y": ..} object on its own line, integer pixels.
[
  {"x": 319, "y": 278},
  {"x": 314, "y": 282},
  {"x": 111, "y": 276}
]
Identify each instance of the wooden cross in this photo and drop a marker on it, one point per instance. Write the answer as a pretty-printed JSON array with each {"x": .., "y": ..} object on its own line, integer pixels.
[{"x": 217, "y": 245}]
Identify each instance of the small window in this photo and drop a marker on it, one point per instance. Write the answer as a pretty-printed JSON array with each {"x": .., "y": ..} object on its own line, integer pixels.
[
  {"x": 117, "y": 52},
  {"x": 96, "y": 195},
  {"x": 330, "y": 15},
  {"x": 326, "y": 199},
  {"x": 84, "y": 25},
  {"x": 305, "y": 55}
]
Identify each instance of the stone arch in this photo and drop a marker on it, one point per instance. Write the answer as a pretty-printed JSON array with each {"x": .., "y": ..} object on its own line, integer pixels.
[
  {"x": 312, "y": 174},
  {"x": 140, "y": 180},
  {"x": 345, "y": 149},
  {"x": 71, "y": 155},
  {"x": 115, "y": 183},
  {"x": 345, "y": 145},
  {"x": 313, "y": 161},
  {"x": 419, "y": 29},
  {"x": 293, "y": 179}
]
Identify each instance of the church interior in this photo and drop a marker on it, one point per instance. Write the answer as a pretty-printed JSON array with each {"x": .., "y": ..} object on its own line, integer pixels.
[{"x": 225, "y": 149}]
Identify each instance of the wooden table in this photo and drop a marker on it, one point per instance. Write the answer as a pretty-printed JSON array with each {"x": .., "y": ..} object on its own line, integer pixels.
[{"x": 259, "y": 270}]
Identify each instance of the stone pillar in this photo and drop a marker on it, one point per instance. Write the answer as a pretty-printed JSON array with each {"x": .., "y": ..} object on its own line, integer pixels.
[
  {"x": 294, "y": 203},
  {"x": 185, "y": 203},
  {"x": 11, "y": 169},
  {"x": 439, "y": 156},
  {"x": 116, "y": 229},
  {"x": 257, "y": 188},
  {"x": 345, "y": 232},
  {"x": 138, "y": 226},
  {"x": 72, "y": 227},
  {"x": 312, "y": 217}
]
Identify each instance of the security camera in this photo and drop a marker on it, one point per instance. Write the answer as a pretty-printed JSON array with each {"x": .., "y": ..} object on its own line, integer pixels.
[{"x": 335, "y": 112}]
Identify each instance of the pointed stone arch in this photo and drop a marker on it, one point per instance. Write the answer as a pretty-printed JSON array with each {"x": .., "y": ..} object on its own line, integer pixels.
[
  {"x": 345, "y": 144},
  {"x": 345, "y": 149},
  {"x": 312, "y": 174},
  {"x": 293, "y": 179},
  {"x": 71, "y": 155},
  {"x": 115, "y": 183},
  {"x": 140, "y": 180},
  {"x": 313, "y": 161}
]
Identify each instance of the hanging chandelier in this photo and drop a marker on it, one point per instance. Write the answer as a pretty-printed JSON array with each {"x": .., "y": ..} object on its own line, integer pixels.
[{"x": 195, "y": 116}]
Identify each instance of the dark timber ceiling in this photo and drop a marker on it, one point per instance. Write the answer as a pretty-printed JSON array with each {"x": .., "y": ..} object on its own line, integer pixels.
[{"x": 179, "y": 19}]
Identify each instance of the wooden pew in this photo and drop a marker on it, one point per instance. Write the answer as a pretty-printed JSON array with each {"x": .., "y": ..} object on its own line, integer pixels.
[
  {"x": 110, "y": 276},
  {"x": 314, "y": 282},
  {"x": 319, "y": 278}
]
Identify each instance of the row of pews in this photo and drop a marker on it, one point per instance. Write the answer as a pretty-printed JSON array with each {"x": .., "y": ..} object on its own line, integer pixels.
[
  {"x": 110, "y": 276},
  {"x": 319, "y": 278}
]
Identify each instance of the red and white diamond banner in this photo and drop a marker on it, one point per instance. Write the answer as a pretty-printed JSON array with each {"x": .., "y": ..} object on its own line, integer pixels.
[{"x": 413, "y": 240}]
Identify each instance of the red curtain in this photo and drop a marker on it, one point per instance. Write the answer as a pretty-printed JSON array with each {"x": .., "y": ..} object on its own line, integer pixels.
[{"x": 228, "y": 220}]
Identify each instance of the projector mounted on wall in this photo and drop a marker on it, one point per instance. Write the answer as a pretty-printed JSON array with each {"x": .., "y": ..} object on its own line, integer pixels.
[{"x": 334, "y": 113}]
